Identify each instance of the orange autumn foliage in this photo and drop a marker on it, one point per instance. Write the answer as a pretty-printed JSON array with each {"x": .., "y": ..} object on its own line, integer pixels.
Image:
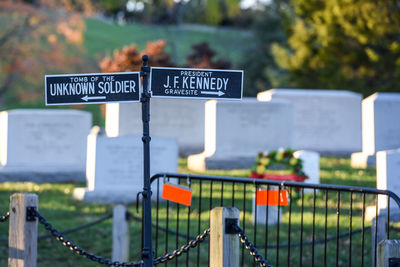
[
  {"x": 34, "y": 42},
  {"x": 130, "y": 59}
]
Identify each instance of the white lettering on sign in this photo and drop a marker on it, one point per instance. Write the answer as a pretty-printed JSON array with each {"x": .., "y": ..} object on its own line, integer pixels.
[
  {"x": 81, "y": 86},
  {"x": 180, "y": 92},
  {"x": 196, "y": 82},
  {"x": 72, "y": 88},
  {"x": 196, "y": 73},
  {"x": 117, "y": 87}
]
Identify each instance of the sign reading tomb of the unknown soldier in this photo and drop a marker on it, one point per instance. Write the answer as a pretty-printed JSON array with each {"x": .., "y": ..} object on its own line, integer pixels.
[
  {"x": 196, "y": 83},
  {"x": 92, "y": 88}
]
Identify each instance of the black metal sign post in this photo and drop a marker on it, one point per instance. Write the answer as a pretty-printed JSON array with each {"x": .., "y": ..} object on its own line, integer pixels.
[
  {"x": 147, "y": 252},
  {"x": 125, "y": 87}
]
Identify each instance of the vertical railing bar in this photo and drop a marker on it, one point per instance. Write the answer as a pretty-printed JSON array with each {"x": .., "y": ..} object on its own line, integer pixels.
[
  {"x": 233, "y": 194},
  {"x": 337, "y": 228},
  {"x": 351, "y": 226},
  {"x": 376, "y": 228},
  {"x": 326, "y": 226},
  {"x": 141, "y": 214},
  {"x": 210, "y": 208},
  {"x": 142, "y": 232},
  {"x": 167, "y": 230},
  {"x": 211, "y": 193},
  {"x": 289, "y": 223},
  {"x": 177, "y": 227},
  {"x": 278, "y": 226},
  {"x": 313, "y": 229},
  {"x": 301, "y": 227},
  {"x": 188, "y": 230},
  {"x": 222, "y": 194},
  {"x": 157, "y": 215},
  {"x": 388, "y": 219},
  {"x": 362, "y": 230},
  {"x": 244, "y": 219},
  {"x": 266, "y": 226},
  {"x": 255, "y": 222},
  {"x": 199, "y": 222}
]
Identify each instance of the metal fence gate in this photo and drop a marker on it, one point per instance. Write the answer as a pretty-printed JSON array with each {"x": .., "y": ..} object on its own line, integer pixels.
[{"x": 328, "y": 225}]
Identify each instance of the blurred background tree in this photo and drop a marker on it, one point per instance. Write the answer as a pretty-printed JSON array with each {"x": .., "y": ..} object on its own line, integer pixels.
[
  {"x": 130, "y": 59},
  {"x": 212, "y": 12},
  {"x": 261, "y": 70},
  {"x": 203, "y": 57},
  {"x": 342, "y": 44},
  {"x": 33, "y": 42}
]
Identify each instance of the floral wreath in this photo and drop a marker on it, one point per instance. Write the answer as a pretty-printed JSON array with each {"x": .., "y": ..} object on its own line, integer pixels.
[{"x": 284, "y": 157}]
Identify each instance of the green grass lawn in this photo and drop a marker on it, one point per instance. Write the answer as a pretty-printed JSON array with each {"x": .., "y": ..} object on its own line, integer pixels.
[
  {"x": 102, "y": 38},
  {"x": 57, "y": 205}
]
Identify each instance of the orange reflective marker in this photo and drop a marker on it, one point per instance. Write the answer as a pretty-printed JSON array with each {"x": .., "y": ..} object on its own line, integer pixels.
[
  {"x": 177, "y": 193},
  {"x": 270, "y": 197}
]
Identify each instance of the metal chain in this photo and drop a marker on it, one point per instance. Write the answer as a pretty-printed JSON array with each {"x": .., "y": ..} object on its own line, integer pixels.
[
  {"x": 60, "y": 237},
  {"x": 249, "y": 245},
  {"x": 177, "y": 252},
  {"x": 5, "y": 217}
]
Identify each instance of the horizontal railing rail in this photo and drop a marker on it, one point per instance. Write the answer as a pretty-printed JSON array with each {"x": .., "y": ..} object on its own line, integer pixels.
[{"x": 279, "y": 183}]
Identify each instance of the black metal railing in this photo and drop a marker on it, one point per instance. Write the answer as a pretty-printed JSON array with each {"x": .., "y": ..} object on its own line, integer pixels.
[{"x": 322, "y": 224}]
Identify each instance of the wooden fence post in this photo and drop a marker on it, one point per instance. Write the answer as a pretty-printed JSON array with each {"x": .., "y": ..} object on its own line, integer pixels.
[
  {"x": 22, "y": 240},
  {"x": 120, "y": 248},
  {"x": 387, "y": 249},
  {"x": 224, "y": 248}
]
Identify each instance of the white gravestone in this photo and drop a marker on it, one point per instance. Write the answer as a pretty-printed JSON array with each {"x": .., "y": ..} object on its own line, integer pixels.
[
  {"x": 326, "y": 121},
  {"x": 114, "y": 171},
  {"x": 236, "y": 131},
  {"x": 388, "y": 175},
  {"x": 43, "y": 145},
  {"x": 182, "y": 119},
  {"x": 380, "y": 127},
  {"x": 387, "y": 178},
  {"x": 310, "y": 165}
]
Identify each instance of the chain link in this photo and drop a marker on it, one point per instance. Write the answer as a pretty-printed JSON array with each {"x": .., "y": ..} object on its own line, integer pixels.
[
  {"x": 249, "y": 245},
  {"x": 60, "y": 237},
  {"x": 167, "y": 257},
  {"x": 5, "y": 217},
  {"x": 177, "y": 252}
]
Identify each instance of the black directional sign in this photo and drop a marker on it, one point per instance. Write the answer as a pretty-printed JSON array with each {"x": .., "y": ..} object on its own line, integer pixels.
[
  {"x": 92, "y": 88},
  {"x": 196, "y": 83}
]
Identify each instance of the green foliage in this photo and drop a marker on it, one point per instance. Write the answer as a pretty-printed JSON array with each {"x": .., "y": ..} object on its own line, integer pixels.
[
  {"x": 345, "y": 44},
  {"x": 214, "y": 12},
  {"x": 260, "y": 68},
  {"x": 111, "y": 6}
]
